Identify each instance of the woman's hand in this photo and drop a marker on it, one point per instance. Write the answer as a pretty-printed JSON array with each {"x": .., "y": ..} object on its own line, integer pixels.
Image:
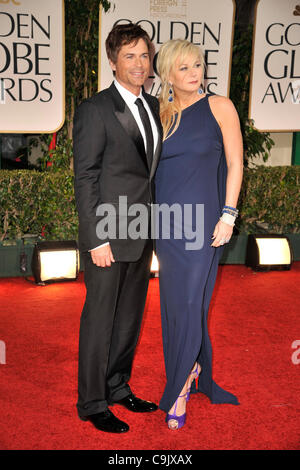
[{"x": 222, "y": 234}]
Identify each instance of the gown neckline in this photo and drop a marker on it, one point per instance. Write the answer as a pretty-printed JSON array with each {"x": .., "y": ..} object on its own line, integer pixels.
[{"x": 193, "y": 104}]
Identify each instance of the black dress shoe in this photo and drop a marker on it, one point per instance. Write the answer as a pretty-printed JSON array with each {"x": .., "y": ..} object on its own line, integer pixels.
[
  {"x": 133, "y": 403},
  {"x": 106, "y": 422}
]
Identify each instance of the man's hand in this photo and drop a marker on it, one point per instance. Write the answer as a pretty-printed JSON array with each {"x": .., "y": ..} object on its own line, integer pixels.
[{"x": 102, "y": 256}]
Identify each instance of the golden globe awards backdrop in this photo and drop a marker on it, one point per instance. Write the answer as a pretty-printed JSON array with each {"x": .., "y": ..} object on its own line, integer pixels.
[
  {"x": 32, "y": 65},
  {"x": 275, "y": 80},
  {"x": 208, "y": 24}
]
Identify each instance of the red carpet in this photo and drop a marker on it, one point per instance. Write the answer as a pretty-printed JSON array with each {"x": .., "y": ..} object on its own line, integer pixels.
[{"x": 254, "y": 320}]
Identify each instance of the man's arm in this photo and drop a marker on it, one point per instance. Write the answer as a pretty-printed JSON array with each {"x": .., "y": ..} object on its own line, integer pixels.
[{"x": 89, "y": 141}]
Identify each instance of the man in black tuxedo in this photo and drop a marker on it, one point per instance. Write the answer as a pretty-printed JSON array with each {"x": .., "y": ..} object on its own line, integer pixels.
[{"x": 117, "y": 141}]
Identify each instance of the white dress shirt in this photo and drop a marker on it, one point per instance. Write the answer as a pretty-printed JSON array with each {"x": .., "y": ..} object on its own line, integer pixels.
[{"x": 130, "y": 99}]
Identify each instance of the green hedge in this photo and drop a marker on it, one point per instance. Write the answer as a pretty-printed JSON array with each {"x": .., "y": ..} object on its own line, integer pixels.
[
  {"x": 269, "y": 200},
  {"x": 42, "y": 203}
]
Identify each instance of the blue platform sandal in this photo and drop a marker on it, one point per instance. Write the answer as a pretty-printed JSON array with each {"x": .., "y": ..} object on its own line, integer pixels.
[{"x": 180, "y": 419}]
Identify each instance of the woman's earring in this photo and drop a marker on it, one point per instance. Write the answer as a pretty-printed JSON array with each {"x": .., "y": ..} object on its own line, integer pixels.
[
  {"x": 200, "y": 91},
  {"x": 171, "y": 92}
]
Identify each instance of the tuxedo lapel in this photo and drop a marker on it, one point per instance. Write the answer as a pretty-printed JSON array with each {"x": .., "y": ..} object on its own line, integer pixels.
[
  {"x": 128, "y": 122},
  {"x": 160, "y": 135}
]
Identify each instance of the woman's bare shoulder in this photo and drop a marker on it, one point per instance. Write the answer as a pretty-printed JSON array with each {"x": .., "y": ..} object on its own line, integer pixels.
[
  {"x": 222, "y": 107},
  {"x": 221, "y": 102}
]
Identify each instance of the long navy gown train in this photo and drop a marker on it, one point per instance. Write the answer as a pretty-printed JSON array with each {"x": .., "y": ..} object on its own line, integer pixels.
[{"x": 192, "y": 170}]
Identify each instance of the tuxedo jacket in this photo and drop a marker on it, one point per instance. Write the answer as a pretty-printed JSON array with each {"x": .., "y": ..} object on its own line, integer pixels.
[{"x": 110, "y": 161}]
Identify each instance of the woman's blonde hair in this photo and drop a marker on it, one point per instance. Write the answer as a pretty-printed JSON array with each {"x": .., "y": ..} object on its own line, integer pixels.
[{"x": 167, "y": 56}]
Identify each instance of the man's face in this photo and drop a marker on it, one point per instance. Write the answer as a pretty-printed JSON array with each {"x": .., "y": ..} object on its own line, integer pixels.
[{"x": 132, "y": 66}]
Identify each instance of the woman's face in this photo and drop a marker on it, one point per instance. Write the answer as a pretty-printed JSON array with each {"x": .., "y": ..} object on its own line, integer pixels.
[{"x": 186, "y": 75}]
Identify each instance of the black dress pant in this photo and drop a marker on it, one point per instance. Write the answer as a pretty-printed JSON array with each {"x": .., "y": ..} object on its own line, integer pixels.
[{"x": 109, "y": 329}]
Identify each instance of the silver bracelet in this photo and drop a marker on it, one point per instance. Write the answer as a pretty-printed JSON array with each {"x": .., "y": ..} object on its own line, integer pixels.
[{"x": 228, "y": 219}]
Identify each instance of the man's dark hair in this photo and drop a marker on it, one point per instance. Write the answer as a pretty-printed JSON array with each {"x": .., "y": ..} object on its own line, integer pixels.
[{"x": 123, "y": 34}]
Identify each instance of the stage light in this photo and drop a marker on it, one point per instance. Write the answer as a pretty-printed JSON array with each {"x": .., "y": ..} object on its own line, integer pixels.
[
  {"x": 55, "y": 261},
  {"x": 154, "y": 266},
  {"x": 268, "y": 252}
]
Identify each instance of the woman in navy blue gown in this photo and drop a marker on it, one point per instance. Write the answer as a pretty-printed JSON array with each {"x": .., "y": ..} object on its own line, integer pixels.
[{"x": 201, "y": 168}]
